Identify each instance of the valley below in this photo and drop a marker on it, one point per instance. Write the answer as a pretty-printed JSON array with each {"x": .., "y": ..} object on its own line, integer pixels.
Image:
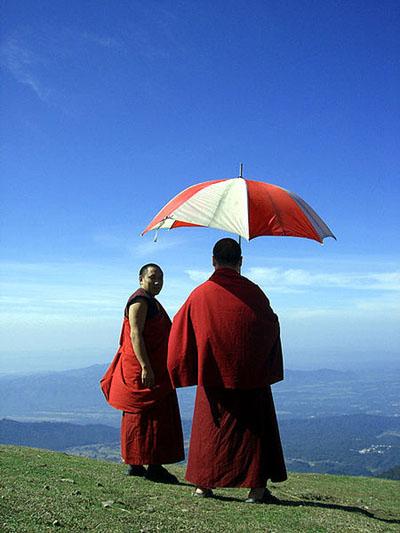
[{"x": 330, "y": 421}]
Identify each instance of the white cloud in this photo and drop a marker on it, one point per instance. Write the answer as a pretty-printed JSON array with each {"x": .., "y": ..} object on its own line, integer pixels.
[
  {"x": 387, "y": 304},
  {"x": 151, "y": 248},
  {"x": 198, "y": 276},
  {"x": 22, "y": 64},
  {"x": 304, "y": 313},
  {"x": 76, "y": 290},
  {"x": 76, "y": 304},
  {"x": 279, "y": 278},
  {"x": 148, "y": 246}
]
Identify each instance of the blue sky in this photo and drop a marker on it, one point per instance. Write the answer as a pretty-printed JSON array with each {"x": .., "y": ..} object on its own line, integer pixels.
[{"x": 108, "y": 109}]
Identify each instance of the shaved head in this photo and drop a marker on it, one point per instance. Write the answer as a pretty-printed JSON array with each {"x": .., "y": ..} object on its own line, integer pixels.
[
  {"x": 227, "y": 252},
  {"x": 144, "y": 268}
]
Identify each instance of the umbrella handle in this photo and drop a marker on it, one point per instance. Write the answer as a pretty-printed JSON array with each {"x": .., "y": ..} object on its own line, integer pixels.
[{"x": 240, "y": 176}]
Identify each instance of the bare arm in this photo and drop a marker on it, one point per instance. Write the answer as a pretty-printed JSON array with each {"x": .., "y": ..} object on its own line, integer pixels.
[{"x": 137, "y": 318}]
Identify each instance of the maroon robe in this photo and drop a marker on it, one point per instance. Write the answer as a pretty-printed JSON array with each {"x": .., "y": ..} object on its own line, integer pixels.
[
  {"x": 226, "y": 340},
  {"x": 151, "y": 431}
]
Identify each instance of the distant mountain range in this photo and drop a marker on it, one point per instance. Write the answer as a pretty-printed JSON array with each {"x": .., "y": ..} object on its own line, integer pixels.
[
  {"x": 75, "y": 395},
  {"x": 79, "y": 389},
  {"x": 55, "y": 390},
  {"x": 392, "y": 473},
  {"x": 360, "y": 445},
  {"x": 55, "y": 435},
  {"x": 330, "y": 421},
  {"x": 351, "y": 444}
]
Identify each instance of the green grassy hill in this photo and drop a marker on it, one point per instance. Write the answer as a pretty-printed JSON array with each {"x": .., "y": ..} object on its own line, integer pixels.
[{"x": 46, "y": 491}]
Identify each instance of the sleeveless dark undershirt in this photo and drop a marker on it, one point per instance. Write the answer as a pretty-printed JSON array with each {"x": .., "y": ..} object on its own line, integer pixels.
[{"x": 141, "y": 294}]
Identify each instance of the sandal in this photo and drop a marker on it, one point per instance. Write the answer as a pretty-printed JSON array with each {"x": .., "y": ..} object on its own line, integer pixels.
[
  {"x": 159, "y": 474},
  {"x": 267, "y": 497},
  {"x": 136, "y": 470},
  {"x": 206, "y": 493}
]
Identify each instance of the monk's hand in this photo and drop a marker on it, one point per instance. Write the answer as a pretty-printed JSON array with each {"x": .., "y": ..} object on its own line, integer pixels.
[{"x": 148, "y": 377}]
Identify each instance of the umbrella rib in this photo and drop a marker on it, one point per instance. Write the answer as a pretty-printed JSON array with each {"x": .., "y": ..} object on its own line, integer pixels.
[
  {"x": 315, "y": 220},
  {"x": 223, "y": 196},
  {"x": 224, "y": 207},
  {"x": 277, "y": 213}
]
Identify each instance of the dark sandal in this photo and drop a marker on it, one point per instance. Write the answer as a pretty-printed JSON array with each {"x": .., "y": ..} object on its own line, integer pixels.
[
  {"x": 159, "y": 474},
  {"x": 267, "y": 497},
  {"x": 136, "y": 470}
]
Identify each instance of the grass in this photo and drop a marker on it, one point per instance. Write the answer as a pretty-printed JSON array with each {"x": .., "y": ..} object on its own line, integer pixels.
[{"x": 47, "y": 491}]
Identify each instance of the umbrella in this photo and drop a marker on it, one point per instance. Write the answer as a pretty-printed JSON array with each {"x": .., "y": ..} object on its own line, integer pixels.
[{"x": 246, "y": 207}]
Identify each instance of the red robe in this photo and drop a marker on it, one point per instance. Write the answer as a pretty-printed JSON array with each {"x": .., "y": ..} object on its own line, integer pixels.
[
  {"x": 226, "y": 340},
  {"x": 151, "y": 431}
]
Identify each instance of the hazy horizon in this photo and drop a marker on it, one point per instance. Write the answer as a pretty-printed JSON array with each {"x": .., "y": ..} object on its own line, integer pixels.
[{"x": 342, "y": 362}]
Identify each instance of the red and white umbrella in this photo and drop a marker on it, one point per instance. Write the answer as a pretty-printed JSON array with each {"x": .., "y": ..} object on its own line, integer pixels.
[{"x": 245, "y": 207}]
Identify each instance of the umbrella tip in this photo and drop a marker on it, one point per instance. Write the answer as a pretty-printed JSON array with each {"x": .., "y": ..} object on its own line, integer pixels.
[{"x": 241, "y": 170}]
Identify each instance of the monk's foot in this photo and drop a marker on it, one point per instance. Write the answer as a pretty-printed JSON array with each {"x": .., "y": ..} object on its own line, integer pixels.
[
  {"x": 201, "y": 492},
  {"x": 261, "y": 496},
  {"x": 159, "y": 474},
  {"x": 136, "y": 470}
]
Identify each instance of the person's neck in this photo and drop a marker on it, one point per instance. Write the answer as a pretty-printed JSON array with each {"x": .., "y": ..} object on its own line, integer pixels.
[
  {"x": 235, "y": 268},
  {"x": 147, "y": 292}
]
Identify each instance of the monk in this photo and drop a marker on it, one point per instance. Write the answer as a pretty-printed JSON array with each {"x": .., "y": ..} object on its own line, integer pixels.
[
  {"x": 137, "y": 382},
  {"x": 225, "y": 339}
]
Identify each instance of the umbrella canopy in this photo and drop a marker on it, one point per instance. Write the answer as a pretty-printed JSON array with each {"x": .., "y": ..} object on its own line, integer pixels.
[{"x": 245, "y": 207}]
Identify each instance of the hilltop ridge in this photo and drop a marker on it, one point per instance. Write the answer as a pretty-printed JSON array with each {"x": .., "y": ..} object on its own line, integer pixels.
[{"x": 42, "y": 490}]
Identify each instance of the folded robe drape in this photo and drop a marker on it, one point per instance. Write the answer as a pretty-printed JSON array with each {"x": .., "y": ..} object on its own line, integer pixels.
[
  {"x": 151, "y": 431},
  {"x": 226, "y": 340},
  {"x": 235, "y": 439},
  {"x": 225, "y": 335}
]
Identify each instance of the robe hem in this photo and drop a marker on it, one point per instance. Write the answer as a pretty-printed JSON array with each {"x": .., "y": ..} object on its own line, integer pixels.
[
  {"x": 153, "y": 461},
  {"x": 243, "y": 485}
]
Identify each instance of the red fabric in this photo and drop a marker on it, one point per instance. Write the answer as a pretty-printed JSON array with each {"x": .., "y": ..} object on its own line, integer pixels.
[
  {"x": 273, "y": 212},
  {"x": 153, "y": 436},
  {"x": 235, "y": 439},
  {"x": 122, "y": 383},
  {"x": 151, "y": 431},
  {"x": 225, "y": 335}
]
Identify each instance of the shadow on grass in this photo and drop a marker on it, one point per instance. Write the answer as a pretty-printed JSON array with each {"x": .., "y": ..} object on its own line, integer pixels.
[
  {"x": 321, "y": 505},
  {"x": 162, "y": 482},
  {"x": 226, "y": 498},
  {"x": 184, "y": 484},
  {"x": 339, "y": 507}
]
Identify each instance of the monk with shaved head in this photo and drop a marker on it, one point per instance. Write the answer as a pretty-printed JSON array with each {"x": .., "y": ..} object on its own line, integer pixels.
[
  {"x": 225, "y": 339},
  {"x": 137, "y": 383}
]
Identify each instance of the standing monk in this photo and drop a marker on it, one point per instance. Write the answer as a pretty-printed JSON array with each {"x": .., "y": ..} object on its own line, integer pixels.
[
  {"x": 226, "y": 340},
  {"x": 137, "y": 382}
]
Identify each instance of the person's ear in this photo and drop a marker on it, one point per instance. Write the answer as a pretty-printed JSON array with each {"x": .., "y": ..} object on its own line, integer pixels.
[
  {"x": 214, "y": 263},
  {"x": 241, "y": 261}
]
